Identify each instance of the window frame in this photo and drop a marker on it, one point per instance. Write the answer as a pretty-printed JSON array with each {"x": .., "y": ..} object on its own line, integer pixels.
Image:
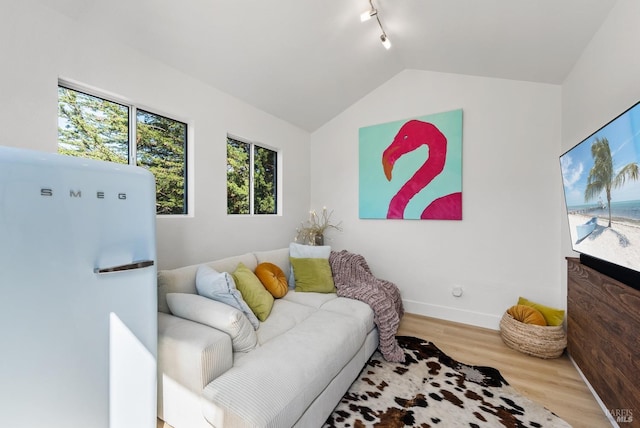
[
  {"x": 277, "y": 181},
  {"x": 133, "y": 108}
]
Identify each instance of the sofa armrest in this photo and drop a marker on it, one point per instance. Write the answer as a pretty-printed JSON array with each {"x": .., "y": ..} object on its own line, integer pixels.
[{"x": 191, "y": 354}]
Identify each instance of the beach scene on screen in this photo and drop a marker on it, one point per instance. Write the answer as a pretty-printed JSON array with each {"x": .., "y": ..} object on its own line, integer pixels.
[{"x": 601, "y": 182}]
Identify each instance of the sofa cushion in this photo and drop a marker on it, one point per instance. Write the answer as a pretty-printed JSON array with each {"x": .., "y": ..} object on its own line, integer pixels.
[
  {"x": 183, "y": 279},
  {"x": 353, "y": 308},
  {"x": 298, "y": 365},
  {"x": 313, "y": 274},
  {"x": 284, "y": 316},
  {"x": 331, "y": 302},
  {"x": 217, "y": 315},
  {"x": 220, "y": 286},
  {"x": 253, "y": 292},
  {"x": 552, "y": 316},
  {"x": 273, "y": 279},
  {"x": 527, "y": 315},
  {"x": 229, "y": 264},
  {"x": 309, "y": 251},
  {"x": 315, "y": 300},
  {"x": 278, "y": 257},
  {"x": 306, "y": 251}
]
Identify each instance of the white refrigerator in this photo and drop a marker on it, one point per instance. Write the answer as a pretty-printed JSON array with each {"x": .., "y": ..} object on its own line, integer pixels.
[{"x": 78, "y": 321}]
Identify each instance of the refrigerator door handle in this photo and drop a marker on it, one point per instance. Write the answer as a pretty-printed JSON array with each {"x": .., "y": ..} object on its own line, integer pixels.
[{"x": 130, "y": 266}]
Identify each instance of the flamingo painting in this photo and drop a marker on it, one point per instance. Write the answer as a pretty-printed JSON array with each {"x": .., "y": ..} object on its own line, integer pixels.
[{"x": 412, "y": 135}]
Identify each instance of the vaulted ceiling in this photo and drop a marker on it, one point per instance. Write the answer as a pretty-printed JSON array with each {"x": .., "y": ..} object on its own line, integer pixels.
[{"x": 306, "y": 61}]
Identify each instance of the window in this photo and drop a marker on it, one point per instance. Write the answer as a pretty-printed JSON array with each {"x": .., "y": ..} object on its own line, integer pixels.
[
  {"x": 94, "y": 127},
  {"x": 251, "y": 178}
]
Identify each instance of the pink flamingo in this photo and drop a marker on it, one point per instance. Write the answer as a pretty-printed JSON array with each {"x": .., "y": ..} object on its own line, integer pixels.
[{"x": 412, "y": 135}]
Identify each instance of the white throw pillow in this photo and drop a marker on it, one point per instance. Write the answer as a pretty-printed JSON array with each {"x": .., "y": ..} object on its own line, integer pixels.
[
  {"x": 217, "y": 315},
  {"x": 220, "y": 286},
  {"x": 306, "y": 252}
]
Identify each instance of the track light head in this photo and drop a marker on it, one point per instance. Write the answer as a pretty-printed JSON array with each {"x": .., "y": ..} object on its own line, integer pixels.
[
  {"x": 368, "y": 14},
  {"x": 385, "y": 41}
]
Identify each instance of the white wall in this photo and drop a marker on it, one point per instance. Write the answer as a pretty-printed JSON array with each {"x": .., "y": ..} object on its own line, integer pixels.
[
  {"x": 508, "y": 242},
  {"x": 39, "y": 46},
  {"x": 513, "y": 237},
  {"x": 604, "y": 82}
]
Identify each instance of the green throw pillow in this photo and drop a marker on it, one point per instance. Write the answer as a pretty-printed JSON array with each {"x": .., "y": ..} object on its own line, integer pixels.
[
  {"x": 551, "y": 315},
  {"x": 253, "y": 292},
  {"x": 313, "y": 274}
]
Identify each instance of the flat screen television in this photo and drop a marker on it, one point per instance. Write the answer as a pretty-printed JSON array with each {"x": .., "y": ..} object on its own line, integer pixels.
[{"x": 601, "y": 180}]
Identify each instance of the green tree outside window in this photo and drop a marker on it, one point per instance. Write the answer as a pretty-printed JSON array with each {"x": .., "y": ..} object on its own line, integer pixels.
[
  {"x": 93, "y": 127},
  {"x": 249, "y": 164}
]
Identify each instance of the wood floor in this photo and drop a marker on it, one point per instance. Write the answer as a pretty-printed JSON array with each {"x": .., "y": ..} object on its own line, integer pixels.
[{"x": 553, "y": 383}]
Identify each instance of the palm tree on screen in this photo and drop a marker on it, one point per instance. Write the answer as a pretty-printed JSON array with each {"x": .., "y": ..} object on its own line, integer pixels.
[{"x": 602, "y": 175}]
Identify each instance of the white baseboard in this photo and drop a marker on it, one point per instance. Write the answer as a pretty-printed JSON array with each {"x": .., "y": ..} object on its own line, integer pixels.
[
  {"x": 452, "y": 314},
  {"x": 595, "y": 395}
]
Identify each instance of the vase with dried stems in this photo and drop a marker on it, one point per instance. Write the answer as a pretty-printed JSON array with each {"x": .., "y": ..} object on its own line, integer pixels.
[{"x": 311, "y": 232}]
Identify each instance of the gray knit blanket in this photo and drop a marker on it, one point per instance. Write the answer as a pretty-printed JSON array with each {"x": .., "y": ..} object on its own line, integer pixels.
[{"x": 354, "y": 279}]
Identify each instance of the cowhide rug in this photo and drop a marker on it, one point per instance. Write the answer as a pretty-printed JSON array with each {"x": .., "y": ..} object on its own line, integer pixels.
[{"x": 430, "y": 389}]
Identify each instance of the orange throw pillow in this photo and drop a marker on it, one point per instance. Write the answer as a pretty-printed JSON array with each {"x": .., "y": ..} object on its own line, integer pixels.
[
  {"x": 273, "y": 279},
  {"x": 527, "y": 315}
]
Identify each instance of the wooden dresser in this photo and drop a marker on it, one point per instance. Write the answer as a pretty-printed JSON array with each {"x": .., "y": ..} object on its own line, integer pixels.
[{"x": 603, "y": 333}]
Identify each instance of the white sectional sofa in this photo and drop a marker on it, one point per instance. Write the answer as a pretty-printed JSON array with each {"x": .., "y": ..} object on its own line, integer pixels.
[{"x": 309, "y": 350}]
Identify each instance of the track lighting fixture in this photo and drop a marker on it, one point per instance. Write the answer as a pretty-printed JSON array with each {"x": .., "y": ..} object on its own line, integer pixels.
[{"x": 373, "y": 12}]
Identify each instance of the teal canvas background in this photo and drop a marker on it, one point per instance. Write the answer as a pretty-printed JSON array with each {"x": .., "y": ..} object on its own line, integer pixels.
[{"x": 375, "y": 191}]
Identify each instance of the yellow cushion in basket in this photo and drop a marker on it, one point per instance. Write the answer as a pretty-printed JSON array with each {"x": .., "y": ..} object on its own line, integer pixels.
[
  {"x": 527, "y": 315},
  {"x": 553, "y": 316}
]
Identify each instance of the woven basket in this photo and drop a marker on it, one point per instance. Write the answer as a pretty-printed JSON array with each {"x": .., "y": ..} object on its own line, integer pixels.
[{"x": 535, "y": 340}]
